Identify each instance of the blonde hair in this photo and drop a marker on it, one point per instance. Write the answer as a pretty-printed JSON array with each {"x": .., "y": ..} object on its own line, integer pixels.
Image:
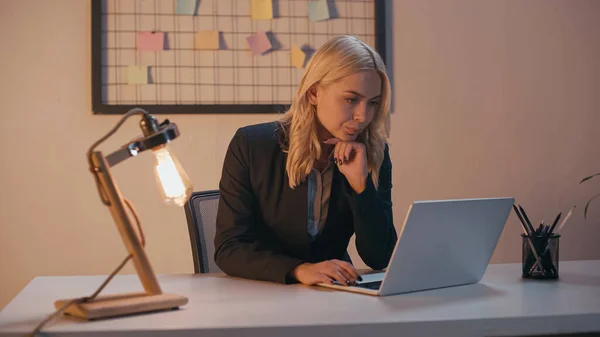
[{"x": 338, "y": 57}]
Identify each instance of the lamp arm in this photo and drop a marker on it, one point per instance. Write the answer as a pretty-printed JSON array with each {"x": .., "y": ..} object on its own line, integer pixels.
[
  {"x": 163, "y": 134},
  {"x": 134, "y": 111},
  {"x": 127, "y": 151},
  {"x": 118, "y": 211},
  {"x": 93, "y": 167},
  {"x": 111, "y": 197}
]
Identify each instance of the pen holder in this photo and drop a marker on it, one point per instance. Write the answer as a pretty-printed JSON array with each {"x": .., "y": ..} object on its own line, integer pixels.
[{"x": 545, "y": 265}]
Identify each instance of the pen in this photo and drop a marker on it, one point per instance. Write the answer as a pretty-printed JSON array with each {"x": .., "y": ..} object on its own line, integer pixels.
[{"x": 554, "y": 224}]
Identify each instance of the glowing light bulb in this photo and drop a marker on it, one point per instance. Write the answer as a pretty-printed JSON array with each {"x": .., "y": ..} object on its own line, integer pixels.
[{"x": 174, "y": 184}]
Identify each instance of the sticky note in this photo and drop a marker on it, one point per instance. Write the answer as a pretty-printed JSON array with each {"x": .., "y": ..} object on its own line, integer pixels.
[
  {"x": 261, "y": 9},
  {"x": 259, "y": 43},
  {"x": 186, "y": 7},
  {"x": 150, "y": 41},
  {"x": 318, "y": 10},
  {"x": 297, "y": 56},
  {"x": 137, "y": 74},
  {"x": 207, "y": 39}
]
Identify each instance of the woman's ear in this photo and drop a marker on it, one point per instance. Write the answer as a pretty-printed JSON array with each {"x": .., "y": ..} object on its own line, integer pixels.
[{"x": 312, "y": 95}]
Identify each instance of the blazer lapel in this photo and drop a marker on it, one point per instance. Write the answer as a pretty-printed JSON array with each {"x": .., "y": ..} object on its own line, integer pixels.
[{"x": 296, "y": 212}]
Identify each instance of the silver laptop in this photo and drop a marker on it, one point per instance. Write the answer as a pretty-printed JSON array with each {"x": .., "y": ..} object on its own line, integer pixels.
[{"x": 443, "y": 243}]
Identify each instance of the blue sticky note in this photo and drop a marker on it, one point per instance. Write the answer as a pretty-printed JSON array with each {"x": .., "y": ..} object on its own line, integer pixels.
[
  {"x": 318, "y": 10},
  {"x": 187, "y": 7}
]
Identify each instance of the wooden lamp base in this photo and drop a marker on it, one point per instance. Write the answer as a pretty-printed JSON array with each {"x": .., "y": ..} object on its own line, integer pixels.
[{"x": 122, "y": 304}]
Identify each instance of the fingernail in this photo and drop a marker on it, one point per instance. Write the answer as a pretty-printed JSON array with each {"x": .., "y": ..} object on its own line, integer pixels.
[
  {"x": 345, "y": 159},
  {"x": 359, "y": 278}
]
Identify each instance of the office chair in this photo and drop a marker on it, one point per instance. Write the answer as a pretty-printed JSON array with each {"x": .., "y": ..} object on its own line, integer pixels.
[{"x": 201, "y": 214}]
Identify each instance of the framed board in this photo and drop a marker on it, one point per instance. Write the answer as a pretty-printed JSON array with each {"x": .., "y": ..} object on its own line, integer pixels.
[{"x": 195, "y": 56}]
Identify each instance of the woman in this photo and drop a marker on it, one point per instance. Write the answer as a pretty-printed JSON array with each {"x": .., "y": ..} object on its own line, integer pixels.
[{"x": 293, "y": 192}]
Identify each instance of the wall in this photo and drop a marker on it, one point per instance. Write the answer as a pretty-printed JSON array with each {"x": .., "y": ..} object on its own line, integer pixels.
[{"x": 491, "y": 99}]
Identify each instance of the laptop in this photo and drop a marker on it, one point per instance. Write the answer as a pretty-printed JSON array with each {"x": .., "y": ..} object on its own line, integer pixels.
[{"x": 443, "y": 243}]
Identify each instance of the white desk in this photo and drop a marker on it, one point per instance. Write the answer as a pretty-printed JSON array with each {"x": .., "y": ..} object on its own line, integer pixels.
[{"x": 500, "y": 305}]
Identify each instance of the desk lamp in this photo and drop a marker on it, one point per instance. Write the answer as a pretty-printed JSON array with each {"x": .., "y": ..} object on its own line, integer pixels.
[{"x": 175, "y": 189}]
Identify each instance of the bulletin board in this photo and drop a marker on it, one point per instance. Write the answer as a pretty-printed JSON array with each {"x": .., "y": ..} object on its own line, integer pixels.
[{"x": 215, "y": 56}]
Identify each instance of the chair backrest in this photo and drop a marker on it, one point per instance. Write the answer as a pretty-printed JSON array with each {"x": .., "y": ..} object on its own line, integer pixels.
[{"x": 201, "y": 214}]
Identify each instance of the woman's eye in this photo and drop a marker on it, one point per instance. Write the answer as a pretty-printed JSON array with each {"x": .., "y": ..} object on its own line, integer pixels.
[
  {"x": 351, "y": 100},
  {"x": 375, "y": 103}
]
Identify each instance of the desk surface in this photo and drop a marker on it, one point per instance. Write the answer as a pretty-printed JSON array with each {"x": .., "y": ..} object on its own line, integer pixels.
[{"x": 502, "y": 304}]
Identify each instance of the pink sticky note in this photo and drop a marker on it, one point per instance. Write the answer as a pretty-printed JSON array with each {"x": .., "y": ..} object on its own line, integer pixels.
[
  {"x": 150, "y": 41},
  {"x": 259, "y": 43}
]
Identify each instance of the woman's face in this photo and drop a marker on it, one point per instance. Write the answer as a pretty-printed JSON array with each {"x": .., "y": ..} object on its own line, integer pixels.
[{"x": 347, "y": 106}]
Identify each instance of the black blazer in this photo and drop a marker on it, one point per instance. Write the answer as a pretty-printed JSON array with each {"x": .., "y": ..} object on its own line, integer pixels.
[{"x": 262, "y": 223}]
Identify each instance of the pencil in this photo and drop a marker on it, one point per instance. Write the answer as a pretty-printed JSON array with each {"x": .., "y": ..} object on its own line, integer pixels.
[
  {"x": 527, "y": 222},
  {"x": 562, "y": 224},
  {"x": 522, "y": 221}
]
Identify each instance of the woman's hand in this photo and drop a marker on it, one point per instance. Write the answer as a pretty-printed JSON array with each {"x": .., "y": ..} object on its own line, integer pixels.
[
  {"x": 326, "y": 272},
  {"x": 351, "y": 158}
]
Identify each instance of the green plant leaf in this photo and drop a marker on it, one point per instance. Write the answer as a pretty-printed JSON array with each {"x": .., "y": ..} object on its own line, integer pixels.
[
  {"x": 588, "y": 203},
  {"x": 590, "y": 177}
]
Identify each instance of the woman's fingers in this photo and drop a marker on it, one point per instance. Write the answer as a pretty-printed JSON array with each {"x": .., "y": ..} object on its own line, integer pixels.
[
  {"x": 327, "y": 272},
  {"x": 347, "y": 275},
  {"x": 348, "y": 152},
  {"x": 340, "y": 149},
  {"x": 335, "y": 151},
  {"x": 337, "y": 275},
  {"x": 334, "y": 271},
  {"x": 348, "y": 269},
  {"x": 321, "y": 278},
  {"x": 344, "y": 151}
]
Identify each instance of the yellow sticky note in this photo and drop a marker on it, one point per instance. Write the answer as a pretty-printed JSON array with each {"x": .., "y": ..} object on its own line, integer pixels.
[
  {"x": 261, "y": 9},
  {"x": 137, "y": 74},
  {"x": 297, "y": 56},
  {"x": 207, "y": 39}
]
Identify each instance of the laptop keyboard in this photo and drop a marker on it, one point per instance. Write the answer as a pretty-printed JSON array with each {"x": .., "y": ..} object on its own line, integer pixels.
[{"x": 369, "y": 285}]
